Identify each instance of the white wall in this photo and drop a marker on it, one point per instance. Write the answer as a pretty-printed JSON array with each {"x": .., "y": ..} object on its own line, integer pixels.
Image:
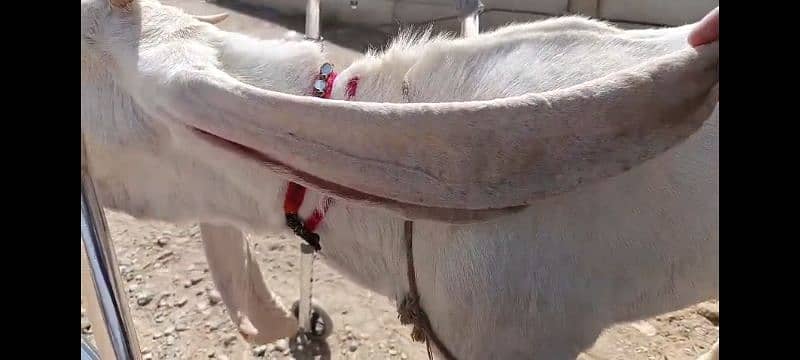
[{"x": 388, "y": 12}]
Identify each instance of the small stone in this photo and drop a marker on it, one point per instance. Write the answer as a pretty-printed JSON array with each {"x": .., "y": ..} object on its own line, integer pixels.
[
  {"x": 157, "y": 335},
  {"x": 270, "y": 347},
  {"x": 164, "y": 254},
  {"x": 212, "y": 354},
  {"x": 709, "y": 311},
  {"x": 137, "y": 278},
  {"x": 392, "y": 352},
  {"x": 222, "y": 357},
  {"x": 214, "y": 297},
  {"x": 187, "y": 284},
  {"x": 353, "y": 347},
  {"x": 364, "y": 336},
  {"x": 181, "y": 327},
  {"x": 215, "y": 326},
  {"x": 169, "y": 330},
  {"x": 260, "y": 350},
  {"x": 645, "y": 328},
  {"x": 348, "y": 329},
  {"x": 147, "y": 356},
  {"x": 133, "y": 287},
  {"x": 344, "y": 312},
  {"x": 281, "y": 345},
  {"x": 162, "y": 241},
  {"x": 403, "y": 356},
  {"x": 159, "y": 318},
  {"x": 86, "y": 326},
  {"x": 143, "y": 298},
  {"x": 181, "y": 302},
  {"x": 230, "y": 339},
  {"x": 170, "y": 340}
]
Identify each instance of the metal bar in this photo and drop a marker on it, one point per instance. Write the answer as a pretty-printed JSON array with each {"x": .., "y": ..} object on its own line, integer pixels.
[
  {"x": 312, "y": 19},
  {"x": 88, "y": 352},
  {"x": 470, "y": 25},
  {"x": 306, "y": 251},
  {"x": 470, "y": 11},
  {"x": 306, "y": 281},
  {"x": 102, "y": 261}
]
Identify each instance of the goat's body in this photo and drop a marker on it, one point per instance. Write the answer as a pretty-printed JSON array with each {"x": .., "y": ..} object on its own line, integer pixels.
[
  {"x": 546, "y": 281},
  {"x": 541, "y": 283}
]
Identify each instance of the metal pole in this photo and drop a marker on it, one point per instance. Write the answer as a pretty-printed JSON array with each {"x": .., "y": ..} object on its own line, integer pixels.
[
  {"x": 306, "y": 282},
  {"x": 470, "y": 11},
  {"x": 470, "y": 24},
  {"x": 306, "y": 251},
  {"x": 102, "y": 263},
  {"x": 88, "y": 352},
  {"x": 312, "y": 19}
]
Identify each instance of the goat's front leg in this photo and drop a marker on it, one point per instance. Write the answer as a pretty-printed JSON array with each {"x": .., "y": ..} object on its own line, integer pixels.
[
  {"x": 259, "y": 315},
  {"x": 712, "y": 354}
]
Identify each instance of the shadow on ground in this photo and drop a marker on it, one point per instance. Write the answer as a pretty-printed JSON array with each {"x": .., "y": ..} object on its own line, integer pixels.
[{"x": 316, "y": 349}]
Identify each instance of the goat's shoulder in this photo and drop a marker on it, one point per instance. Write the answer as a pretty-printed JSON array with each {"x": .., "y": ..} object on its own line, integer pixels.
[{"x": 419, "y": 66}]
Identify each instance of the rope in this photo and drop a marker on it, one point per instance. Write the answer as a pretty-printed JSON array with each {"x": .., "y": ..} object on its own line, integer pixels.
[{"x": 410, "y": 310}]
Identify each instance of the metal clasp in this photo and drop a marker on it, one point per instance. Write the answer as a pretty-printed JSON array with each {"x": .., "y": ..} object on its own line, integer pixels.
[{"x": 321, "y": 84}]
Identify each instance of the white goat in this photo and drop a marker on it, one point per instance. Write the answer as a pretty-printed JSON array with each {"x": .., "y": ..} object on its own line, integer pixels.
[{"x": 532, "y": 236}]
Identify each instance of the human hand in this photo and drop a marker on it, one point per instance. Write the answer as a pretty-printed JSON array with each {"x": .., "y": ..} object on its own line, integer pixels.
[{"x": 707, "y": 30}]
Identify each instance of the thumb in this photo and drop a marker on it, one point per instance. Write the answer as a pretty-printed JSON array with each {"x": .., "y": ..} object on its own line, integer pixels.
[{"x": 707, "y": 30}]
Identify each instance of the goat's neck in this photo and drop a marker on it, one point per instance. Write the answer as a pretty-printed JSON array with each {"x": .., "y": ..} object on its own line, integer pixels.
[{"x": 349, "y": 234}]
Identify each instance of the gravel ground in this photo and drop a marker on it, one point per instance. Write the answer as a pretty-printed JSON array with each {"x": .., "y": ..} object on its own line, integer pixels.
[{"x": 178, "y": 314}]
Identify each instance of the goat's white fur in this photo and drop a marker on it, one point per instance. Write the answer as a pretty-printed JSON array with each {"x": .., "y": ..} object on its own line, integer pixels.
[{"x": 540, "y": 283}]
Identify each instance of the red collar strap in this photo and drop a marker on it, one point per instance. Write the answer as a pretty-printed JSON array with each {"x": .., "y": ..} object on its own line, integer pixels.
[{"x": 295, "y": 193}]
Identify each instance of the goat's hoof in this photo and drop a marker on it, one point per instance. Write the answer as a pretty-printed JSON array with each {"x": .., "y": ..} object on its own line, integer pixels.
[{"x": 321, "y": 322}]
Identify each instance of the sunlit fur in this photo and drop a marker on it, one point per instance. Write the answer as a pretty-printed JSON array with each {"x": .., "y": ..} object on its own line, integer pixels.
[{"x": 538, "y": 284}]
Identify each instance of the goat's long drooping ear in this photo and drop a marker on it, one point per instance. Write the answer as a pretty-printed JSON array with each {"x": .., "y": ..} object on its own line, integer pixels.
[{"x": 476, "y": 155}]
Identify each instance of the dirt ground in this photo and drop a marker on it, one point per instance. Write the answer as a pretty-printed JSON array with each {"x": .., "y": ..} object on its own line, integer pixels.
[{"x": 178, "y": 314}]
